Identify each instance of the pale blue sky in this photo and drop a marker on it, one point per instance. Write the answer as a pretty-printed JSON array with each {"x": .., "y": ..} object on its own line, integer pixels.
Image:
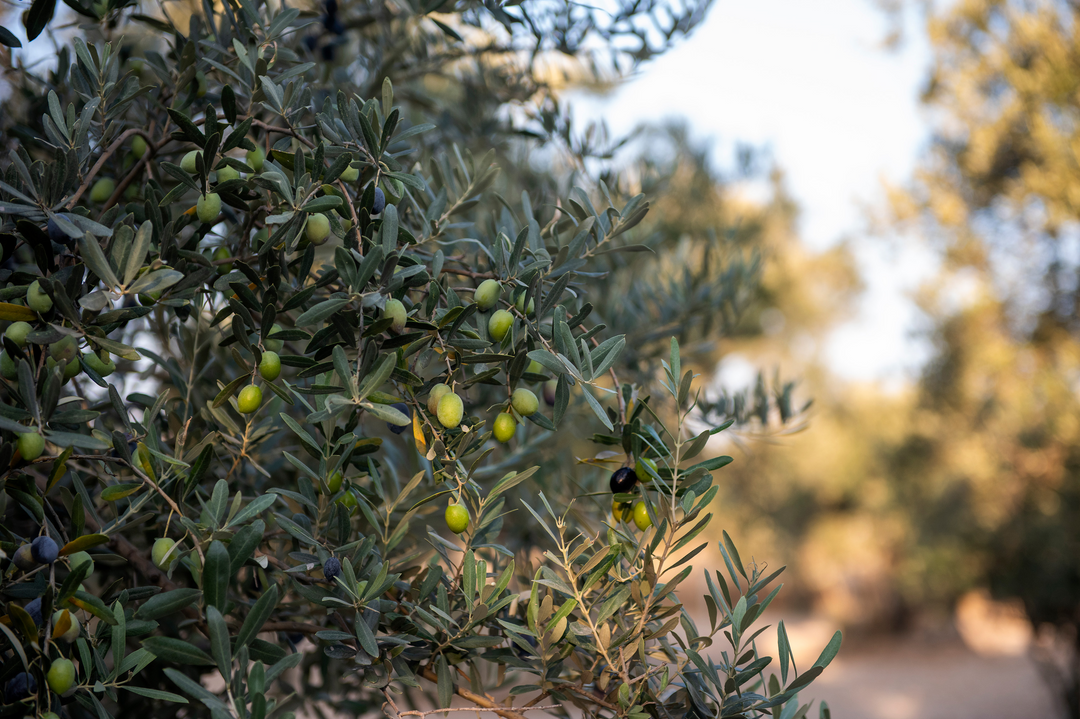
[{"x": 810, "y": 81}]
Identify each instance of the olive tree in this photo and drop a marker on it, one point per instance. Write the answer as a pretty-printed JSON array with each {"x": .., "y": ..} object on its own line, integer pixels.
[{"x": 282, "y": 385}]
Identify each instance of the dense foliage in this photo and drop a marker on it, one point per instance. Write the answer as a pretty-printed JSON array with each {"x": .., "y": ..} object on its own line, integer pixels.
[{"x": 285, "y": 367}]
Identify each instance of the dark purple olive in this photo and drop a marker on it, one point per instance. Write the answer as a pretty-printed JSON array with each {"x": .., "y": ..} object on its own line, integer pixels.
[
  {"x": 44, "y": 550},
  {"x": 34, "y": 610},
  {"x": 380, "y": 201},
  {"x": 19, "y": 687},
  {"x": 331, "y": 568},
  {"x": 404, "y": 409},
  {"x": 623, "y": 480}
]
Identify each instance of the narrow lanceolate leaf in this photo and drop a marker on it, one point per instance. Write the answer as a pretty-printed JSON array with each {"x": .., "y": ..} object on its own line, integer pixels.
[
  {"x": 95, "y": 260},
  {"x": 220, "y": 648},
  {"x": 257, "y": 617},
  {"x": 166, "y": 603},
  {"x": 216, "y": 575},
  {"x": 176, "y": 651}
]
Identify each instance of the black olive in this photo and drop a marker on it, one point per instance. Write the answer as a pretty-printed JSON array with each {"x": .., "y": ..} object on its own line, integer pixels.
[{"x": 623, "y": 480}]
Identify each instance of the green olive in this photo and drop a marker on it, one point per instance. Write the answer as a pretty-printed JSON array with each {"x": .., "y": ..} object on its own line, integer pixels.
[
  {"x": 250, "y": 399},
  {"x": 274, "y": 345},
  {"x": 334, "y": 483},
  {"x": 138, "y": 146},
  {"x": 487, "y": 294},
  {"x": 222, "y": 253},
  {"x": 318, "y": 228},
  {"x": 37, "y": 299},
  {"x": 435, "y": 395},
  {"x": 61, "y": 676},
  {"x": 504, "y": 427},
  {"x": 163, "y": 554},
  {"x": 270, "y": 366},
  {"x": 451, "y": 410},
  {"x": 524, "y": 402},
  {"x": 395, "y": 310},
  {"x": 189, "y": 164},
  {"x": 255, "y": 158},
  {"x": 102, "y": 190},
  {"x": 225, "y": 174},
  {"x": 499, "y": 324},
  {"x": 208, "y": 207},
  {"x": 8, "y": 368},
  {"x": 641, "y": 516},
  {"x": 30, "y": 445},
  {"x": 457, "y": 518},
  {"x": 17, "y": 332},
  {"x": 350, "y": 174}
]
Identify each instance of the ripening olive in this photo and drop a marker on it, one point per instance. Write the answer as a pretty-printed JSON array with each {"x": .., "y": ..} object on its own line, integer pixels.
[
  {"x": 138, "y": 146},
  {"x": 17, "y": 332},
  {"x": 457, "y": 518},
  {"x": 621, "y": 511},
  {"x": 189, "y": 164},
  {"x": 64, "y": 349},
  {"x": 487, "y": 294},
  {"x": 641, "y": 516},
  {"x": 163, "y": 554},
  {"x": 434, "y": 396},
  {"x": 19, "y": 687},
  {"x": 395, "y": 310},
  {"x": 30, "y": 445},
  {"x": 318, "y": 228},
  {"x": 505, "y": 426},
  {"x": 24, "y": 558},
  {"x": 249, "y": 400},
  {"x": 350, "y": 174},
  {"x": 379, "y": 204},
  {"x": 623, "y": 480},
  {"x": 450, "y": 410},
  {"x": 208, "y": 207},
  {"x": 270, "y": 366},
  {"x": 255, "y": 158},
  {"x": 524, "y": 402},
  {"x": 499, "y": 324},
  {"x": 102, "y": 190},
  {"x": 37, "y": 299},
  {"x": 61, "y": 676},
  {"x": 65, "y": 625}
]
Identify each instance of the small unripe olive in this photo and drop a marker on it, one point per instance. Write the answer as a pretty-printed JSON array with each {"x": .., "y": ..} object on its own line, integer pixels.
[
  {"x": 395, "y": 310},
  {"x": 499, "y": 324},
  {"x": 457, "y": 518},
  {"x": 102, "y": 190},
  {"x": 434, "y": 396},
  {"x": 71, "y": 368},
  {"x": 270, "y": 366},
  {"x": 227, "y": 173},
  {"x": 451, "y": 409},
  {"x": 524, "y": 402},
  {"x": 77, "y": 559},
  {"x": 250, "y": 399},
  {"x": 8, "y": 368},
  {"x": 504, "y": 428},
  {"x": 222, "y": 253},
  {"x": 534, "y": 367},
  {"x": 260, "y": 237},
  {"x": 642, "y": 467},
  {"x": 318, "y": 228},
  {"x": 61, "y": 676},
  {"x": 350, "y": 174},
  {"x": 348, "y": 500},
  {"x": 200, "y": 84},
  {"x": 189, "y": 164},
  {"x": 208, "y": 207},
  {"x": 30, "y": 445},
  {"x": 38, "y": 299},
  {"x": 272, "y": 344},
  {"x": 334, "y": 483},
  {"x": 138, "y": 146},
  {"x": 255, "y": 158},
  {"x": 163, "y": 554},
  {"x": 487, "y": 294}
]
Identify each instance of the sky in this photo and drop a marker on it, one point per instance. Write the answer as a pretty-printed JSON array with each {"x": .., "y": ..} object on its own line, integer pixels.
[{"x": 811, "y": 82}]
